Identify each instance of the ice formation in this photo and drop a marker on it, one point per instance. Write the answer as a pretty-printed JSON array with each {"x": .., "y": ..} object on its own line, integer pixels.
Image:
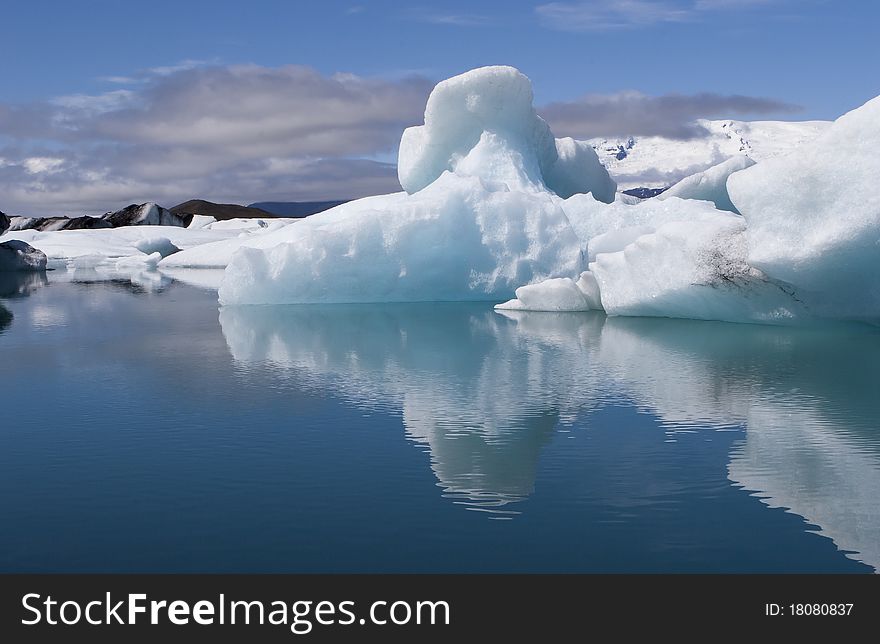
[
  {"x": 671, "y": 258},
  {"x": 110, "y": 244},
  {"x": 18, "y": 256},
  {"x": 814, "y": 216},
  {"x": 559, "y": 294},
  {"x": 711, "y": 184},
  {"x": 161, "y": 245},
  {"x": 495, "y": 104},
  {"x": 200, "y": 221},
  {"x": 494, "y": 206}
]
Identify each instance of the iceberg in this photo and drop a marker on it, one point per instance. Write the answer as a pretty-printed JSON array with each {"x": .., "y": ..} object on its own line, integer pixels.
[
  {"x": 200, "y": 221},
  {"x": 494, "y": 207},
  {"x": 161, "y": 245},
  {"x": 814, "y": 216},
  {"x": 18, "y": 256},
  {"x": 559, "y": 294},
  {"x": 481, "y": 213},
  {"x": 110, "y": 244}
]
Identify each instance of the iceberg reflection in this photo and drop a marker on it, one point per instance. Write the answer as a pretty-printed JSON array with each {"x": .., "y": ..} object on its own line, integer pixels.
[
  {"x": 484, "y": 393},
  {"x": 469, "y": 385}
]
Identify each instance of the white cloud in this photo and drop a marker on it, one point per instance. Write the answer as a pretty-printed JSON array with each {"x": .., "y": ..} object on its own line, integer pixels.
[
  {"x": 602, "y": 15},
  {"x": 120, "y": 80},
  {"x": 181, "y": 66},
  {"x": 97, "y": 103},
  {"x": 42, "y": 165},
  {"x": 434, "y": 17},
  {"x": 238, "y": 133}
]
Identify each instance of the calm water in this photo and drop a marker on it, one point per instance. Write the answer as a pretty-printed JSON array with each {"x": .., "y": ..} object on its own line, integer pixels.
[{"x": 144, "y": 429}]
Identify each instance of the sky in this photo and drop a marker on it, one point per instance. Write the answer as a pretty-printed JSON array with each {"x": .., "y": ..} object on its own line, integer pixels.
[{"x": 105, "y": 103}]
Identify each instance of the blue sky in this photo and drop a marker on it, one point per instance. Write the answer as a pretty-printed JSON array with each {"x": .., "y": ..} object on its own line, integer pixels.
[{"x": 99, "y": 68}]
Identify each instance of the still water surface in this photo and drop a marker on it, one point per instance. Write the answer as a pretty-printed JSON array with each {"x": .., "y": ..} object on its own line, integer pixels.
[{"x": 142, "y": 428}]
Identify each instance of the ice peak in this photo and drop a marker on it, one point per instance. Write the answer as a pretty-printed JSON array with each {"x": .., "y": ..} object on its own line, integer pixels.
[{"x": 486, "y": 115}]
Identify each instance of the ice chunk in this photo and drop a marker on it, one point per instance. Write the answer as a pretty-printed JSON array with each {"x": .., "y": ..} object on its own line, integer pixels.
[
  {"x": 459, "y": 111},
  {"x": 218, "y": 254},
  {"x": 482, "y": 123},
  {"x": 711, "y": 184},
  {"x": 692, "y": 269},
  {"x": 200, "y": 221},
  {"x": 18, "y": 256},
  {"x": 161, "y": 245},
  {"x": 112, "y": 243},
  {"x": 814, "y": 216},
  {"x": 559, "y": 294},
  {"x": 242, "y": 223},
  {"x": 139, "y": 261}
]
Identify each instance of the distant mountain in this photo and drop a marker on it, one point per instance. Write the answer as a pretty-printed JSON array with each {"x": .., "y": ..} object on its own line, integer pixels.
[
  {"x": 221, "y": 211},
  {"x": 658, "y": 162},
  {"x": 58, "y": 223},
  {"x": 145, "y": 214},
  {"x": 4, "y": 222},
  {"x": 296, "y": 208}
]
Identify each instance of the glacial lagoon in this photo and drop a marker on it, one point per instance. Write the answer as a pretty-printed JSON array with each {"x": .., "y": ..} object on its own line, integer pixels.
[{"x": 147, "y": 429}]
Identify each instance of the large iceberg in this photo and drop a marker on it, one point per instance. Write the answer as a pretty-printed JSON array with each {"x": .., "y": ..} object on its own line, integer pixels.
[{"x": 481, "y": 214}]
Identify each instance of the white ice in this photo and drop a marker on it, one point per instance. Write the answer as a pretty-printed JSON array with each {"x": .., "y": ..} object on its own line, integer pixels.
[
  {"x": 814, "y": 216},
  {"x": 109, "y": 244},
  {"x": 161, "y": 245},
  {"x": 711, "y": 184}
]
